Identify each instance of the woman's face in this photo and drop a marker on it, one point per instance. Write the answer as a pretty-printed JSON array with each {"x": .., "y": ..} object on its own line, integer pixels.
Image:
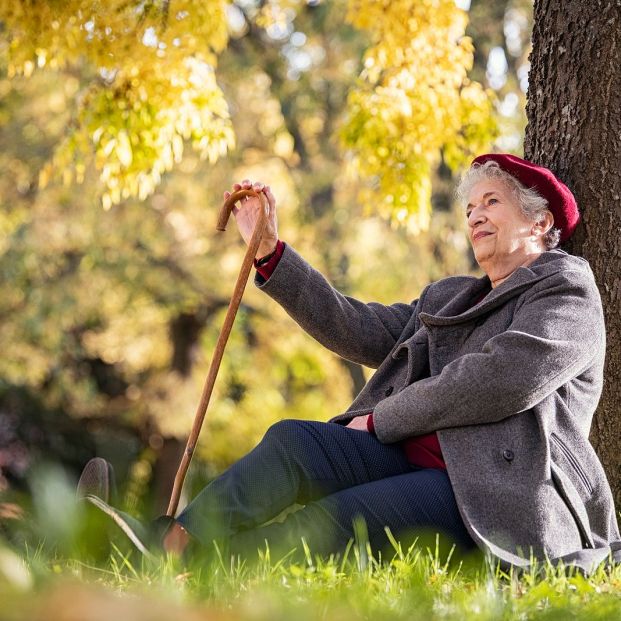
[{"x": 500, "y": 234}]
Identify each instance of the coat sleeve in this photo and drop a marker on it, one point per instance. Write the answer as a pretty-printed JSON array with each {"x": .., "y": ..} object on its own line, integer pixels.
[
  {"x": 361, "y": 332},
  {"x": 556, "y": 333}
]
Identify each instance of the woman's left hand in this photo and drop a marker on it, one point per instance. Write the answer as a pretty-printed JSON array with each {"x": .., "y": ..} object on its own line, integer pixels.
[
  {"x": 248, "y": 213},
  {"x": 360, "y": 423}
]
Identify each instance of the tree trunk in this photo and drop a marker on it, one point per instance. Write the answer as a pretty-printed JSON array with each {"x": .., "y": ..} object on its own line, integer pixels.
[{"x": 574, "y": 128}]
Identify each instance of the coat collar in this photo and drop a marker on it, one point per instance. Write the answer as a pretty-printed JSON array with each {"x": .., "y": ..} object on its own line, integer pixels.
[{"x": 459, "y": 309}]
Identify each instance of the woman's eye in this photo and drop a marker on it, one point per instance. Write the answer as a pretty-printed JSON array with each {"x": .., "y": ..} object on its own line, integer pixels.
[
  {"x": 495, "y": 200},
  {"x": 468, "y": 214}
]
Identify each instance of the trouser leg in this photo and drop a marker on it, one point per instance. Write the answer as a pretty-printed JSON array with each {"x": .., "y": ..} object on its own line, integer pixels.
[
  {"x": 418, "y": 502},
  {"x": 296, "y": 462}
]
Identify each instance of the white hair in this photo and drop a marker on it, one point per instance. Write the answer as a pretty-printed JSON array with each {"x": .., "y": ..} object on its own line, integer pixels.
[{"x": 533, "y": 205}]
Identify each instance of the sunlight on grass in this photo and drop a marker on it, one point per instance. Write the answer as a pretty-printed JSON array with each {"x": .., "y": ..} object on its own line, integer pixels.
[
  {"x": 58, "y": 562},
  {"x": 417, "y": 583}
]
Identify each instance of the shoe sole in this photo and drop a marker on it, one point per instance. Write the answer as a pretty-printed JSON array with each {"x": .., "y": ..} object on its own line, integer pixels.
[{"x": 97, "y": 479}]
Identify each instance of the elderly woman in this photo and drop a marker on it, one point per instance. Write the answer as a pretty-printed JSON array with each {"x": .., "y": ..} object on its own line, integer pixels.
[{"x": 475, "y": 423}]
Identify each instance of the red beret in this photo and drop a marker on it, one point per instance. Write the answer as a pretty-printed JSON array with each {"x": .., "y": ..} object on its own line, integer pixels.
[{"x": 561, "y": 201}]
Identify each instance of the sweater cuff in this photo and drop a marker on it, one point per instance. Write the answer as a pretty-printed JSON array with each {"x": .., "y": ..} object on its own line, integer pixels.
[
  {"x": 370, "y": 424},
  {"x": 267, "y": 269}
]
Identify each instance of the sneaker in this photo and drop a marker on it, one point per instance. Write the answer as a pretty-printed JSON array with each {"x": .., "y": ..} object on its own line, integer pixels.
[
  {"x": 146, "y": 538},
  {"x": 96, "y": 485}
]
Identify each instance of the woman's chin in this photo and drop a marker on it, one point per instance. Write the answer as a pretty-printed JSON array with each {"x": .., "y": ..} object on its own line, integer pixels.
[{"x": 482, "y": 255}]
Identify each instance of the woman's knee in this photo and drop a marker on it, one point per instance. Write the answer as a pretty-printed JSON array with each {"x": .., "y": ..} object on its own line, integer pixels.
[
  {"x": 295, "y": 437},
  {"x": 285, "y": 429}
]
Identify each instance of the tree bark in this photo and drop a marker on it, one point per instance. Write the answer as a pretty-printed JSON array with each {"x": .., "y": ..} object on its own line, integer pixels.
[{"x": 574, "y": 128}]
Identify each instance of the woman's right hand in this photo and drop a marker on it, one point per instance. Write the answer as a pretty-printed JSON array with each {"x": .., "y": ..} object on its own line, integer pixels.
[{"x": 248, "y": 214}]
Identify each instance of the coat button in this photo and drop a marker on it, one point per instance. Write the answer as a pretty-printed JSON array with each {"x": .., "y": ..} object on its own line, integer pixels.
[
  {"x": 508, "y": 455},
  {"x": 389, "y": 390}
]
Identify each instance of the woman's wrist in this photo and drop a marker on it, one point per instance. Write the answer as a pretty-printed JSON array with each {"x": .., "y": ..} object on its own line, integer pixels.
[{"x": 266, "y": 249}]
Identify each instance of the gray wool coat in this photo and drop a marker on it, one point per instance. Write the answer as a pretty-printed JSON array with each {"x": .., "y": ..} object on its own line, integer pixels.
[{"x": 509, "y": 384}]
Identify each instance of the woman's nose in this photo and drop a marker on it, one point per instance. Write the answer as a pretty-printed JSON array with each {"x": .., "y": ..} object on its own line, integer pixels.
[{"x": 475, "y": 217}]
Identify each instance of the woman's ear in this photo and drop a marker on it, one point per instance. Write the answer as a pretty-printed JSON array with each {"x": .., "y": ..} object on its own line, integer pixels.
[{"x": 543, "y": 225}]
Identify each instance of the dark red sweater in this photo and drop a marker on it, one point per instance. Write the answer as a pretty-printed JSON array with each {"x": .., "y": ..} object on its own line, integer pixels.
[{"x": 423, "y": 451}]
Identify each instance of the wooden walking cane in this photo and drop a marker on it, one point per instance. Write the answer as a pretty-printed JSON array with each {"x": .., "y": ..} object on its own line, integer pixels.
[{"x": 242, "y": 279}]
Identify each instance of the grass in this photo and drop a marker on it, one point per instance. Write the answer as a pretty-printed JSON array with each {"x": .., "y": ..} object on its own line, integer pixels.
[
  {"x": 415, "y": 584},
  {"x": 55, "y": 566}
]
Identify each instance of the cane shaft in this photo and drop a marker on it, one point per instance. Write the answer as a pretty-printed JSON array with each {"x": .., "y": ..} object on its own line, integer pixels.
[{"x": 240, "y": 286}]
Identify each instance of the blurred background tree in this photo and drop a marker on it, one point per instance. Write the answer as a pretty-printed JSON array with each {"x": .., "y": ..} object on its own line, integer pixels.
[{"x": 114, "y": 282}]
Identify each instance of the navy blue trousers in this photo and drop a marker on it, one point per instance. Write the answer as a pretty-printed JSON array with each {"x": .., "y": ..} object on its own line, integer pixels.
[{"x": 338, "y": 475}]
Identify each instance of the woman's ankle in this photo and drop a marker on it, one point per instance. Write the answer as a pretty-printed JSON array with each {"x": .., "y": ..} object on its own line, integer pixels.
[{"x": 176, "y": 539}]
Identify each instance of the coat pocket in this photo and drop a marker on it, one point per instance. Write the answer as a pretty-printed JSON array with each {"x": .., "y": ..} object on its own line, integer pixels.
[
  {"x": 574, "y": 503},
  {"x": 573, "y": 462}
]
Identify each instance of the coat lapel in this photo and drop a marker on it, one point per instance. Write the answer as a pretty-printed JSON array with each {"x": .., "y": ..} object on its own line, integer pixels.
[
  {"x": 448, "y": 328},
  {"x": 459, "y": 310}
]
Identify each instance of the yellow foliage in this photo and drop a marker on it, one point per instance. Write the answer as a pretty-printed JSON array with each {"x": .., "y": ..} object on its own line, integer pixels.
[
  {"x": 110, "y": 34},
  {"x": 412, "y": 101},
  {"x": 151, "y": 86}
]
